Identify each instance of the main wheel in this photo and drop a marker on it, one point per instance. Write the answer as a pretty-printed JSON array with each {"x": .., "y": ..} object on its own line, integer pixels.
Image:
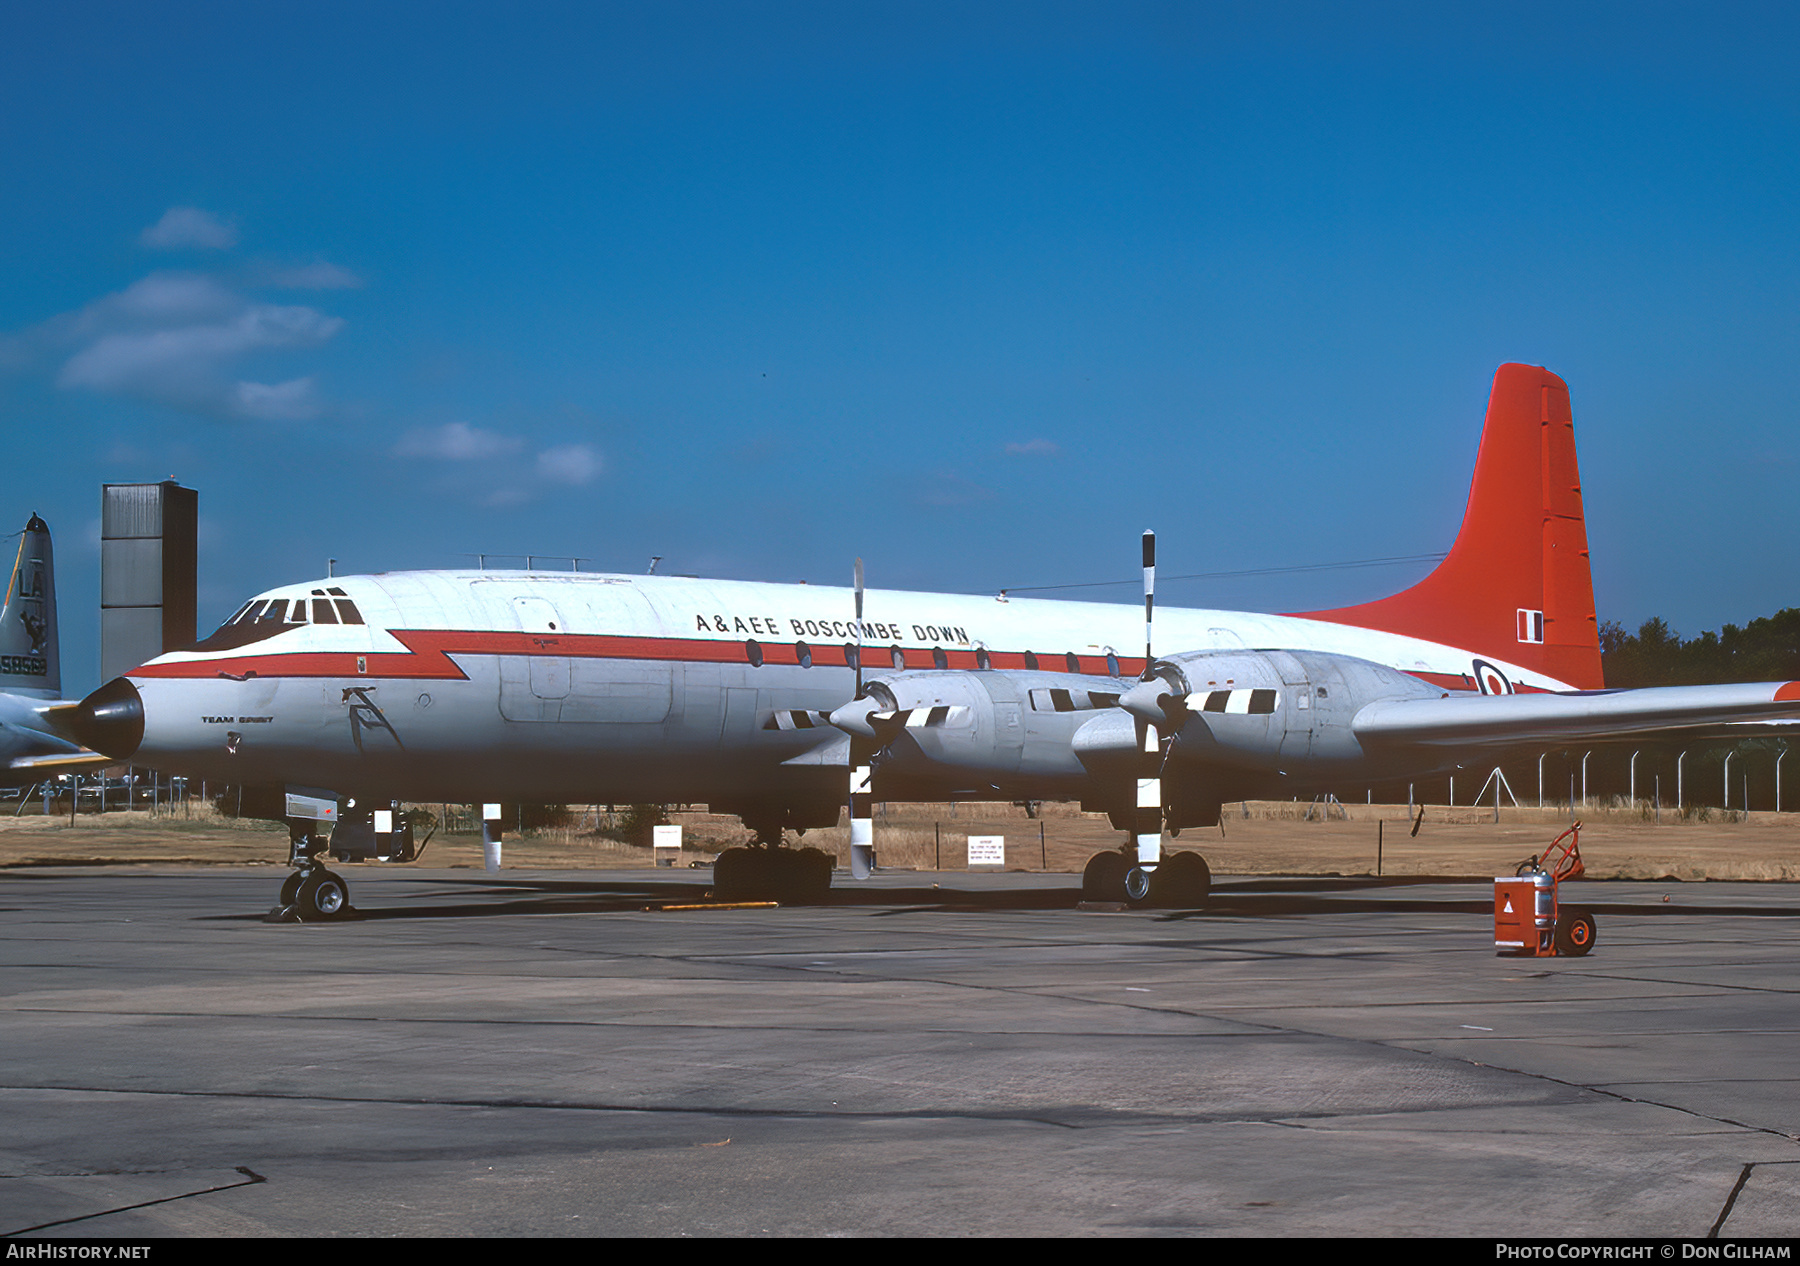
[
  {"x": 811, "y": 876},
  {"x": 1137, "y": 885},
  {"x": 1574, "y": 932},
  {"x": 290, "y": 889},
  {"x": 1103, "y": 879},
  {"x": 736, "y": 874},
  {"x": 322, "y": 895},
  {"x": 1183, "y": 881}
]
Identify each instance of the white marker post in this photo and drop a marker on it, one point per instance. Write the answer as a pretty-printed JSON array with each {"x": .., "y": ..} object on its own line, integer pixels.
[
  {"x": 490, "y": 836},
  {"x": 665, "y": 844}
]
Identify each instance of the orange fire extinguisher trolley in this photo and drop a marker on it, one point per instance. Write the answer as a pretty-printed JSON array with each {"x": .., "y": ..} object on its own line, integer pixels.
[{"x": 1530, "y": 920}]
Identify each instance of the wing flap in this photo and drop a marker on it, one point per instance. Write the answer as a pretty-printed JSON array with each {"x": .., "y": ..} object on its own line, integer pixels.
[{"x": 1497, "y": 719}]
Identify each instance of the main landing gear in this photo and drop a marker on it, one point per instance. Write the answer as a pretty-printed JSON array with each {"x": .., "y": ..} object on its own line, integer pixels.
[
  {"x": 312, "y": 894},
  {"x": 765, "y": 871},
  {"x": 1182, "y": 881}
]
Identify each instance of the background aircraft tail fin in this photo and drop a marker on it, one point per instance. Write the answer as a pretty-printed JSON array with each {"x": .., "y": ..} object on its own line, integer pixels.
[
  {"x": 28, "y": 658},
  {"x": 1516, "y": 584}
]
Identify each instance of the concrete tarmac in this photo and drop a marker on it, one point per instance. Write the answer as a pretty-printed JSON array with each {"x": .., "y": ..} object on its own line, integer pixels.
[{"x": 535, "y": 1054}]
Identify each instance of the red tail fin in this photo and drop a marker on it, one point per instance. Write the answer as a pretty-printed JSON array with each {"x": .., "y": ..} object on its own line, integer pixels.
[{"x": 1516, "y": 584}]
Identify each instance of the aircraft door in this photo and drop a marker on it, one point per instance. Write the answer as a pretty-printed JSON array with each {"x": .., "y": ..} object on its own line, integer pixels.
[{"x": 534, "y": 684}]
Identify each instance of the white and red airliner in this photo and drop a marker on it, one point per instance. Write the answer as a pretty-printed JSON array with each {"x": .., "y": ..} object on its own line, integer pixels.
[{"x": 764, "y": 700}]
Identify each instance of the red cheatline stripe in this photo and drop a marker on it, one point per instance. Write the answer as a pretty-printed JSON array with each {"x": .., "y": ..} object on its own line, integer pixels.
[{"x": 427, "y": 657}]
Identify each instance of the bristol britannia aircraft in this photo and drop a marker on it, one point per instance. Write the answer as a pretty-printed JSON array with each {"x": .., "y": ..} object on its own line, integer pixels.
[{"x": 780, "y": 703}]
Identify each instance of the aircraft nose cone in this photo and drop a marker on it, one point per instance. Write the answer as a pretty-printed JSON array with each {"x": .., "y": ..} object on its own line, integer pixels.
[{"x": 111, "y": 720}]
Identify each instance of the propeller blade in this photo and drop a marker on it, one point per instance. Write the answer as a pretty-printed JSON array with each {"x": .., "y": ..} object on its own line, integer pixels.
[
  {"x": 862, "y": 810},
  {"x": 858, "y": 722},
  {"x": 1146, "y": 706},
  {"x": 1149, "y": 824},
  {"x": 1149, "y": 597},
  {"x": 859, "y": 627}
]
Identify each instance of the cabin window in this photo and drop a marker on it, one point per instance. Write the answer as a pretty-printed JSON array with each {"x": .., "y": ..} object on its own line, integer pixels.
[
  {"x": 982, "y": 661},
  {"x": 852, "y": 655},
  {"x": 938, "y": 657},
  {"x": 1031, "y": 661},
  {"x": 1073, "y": 663},
  {"x": 803, "y": 654},
  {"x": 1112, "y": 664},
  {"x": 753, "y": 653},
  {"x": 899, "y": 658}
]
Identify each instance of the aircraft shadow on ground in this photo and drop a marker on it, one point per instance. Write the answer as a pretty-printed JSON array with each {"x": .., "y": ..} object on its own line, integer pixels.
[{"x": 1249, "y": 899}]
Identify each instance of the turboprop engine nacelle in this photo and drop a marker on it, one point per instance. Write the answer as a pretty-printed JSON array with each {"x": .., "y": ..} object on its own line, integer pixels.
[
  {"x": 1288, "y": 712},
  {"x": 996, "y": 728}
]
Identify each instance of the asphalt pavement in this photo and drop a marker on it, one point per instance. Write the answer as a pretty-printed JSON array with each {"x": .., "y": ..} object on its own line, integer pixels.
[{"x": 536, "y": 1053}]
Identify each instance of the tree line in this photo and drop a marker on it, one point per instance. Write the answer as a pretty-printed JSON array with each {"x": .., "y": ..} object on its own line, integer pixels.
[{"x": 1766, "y": 649}]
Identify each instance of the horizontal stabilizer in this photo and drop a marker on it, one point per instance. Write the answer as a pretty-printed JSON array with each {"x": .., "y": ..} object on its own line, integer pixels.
[{"x": 1462, "y": 720}]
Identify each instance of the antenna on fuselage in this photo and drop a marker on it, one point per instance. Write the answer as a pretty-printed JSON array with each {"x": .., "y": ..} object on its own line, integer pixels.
[{"x": 654, "y": 560}]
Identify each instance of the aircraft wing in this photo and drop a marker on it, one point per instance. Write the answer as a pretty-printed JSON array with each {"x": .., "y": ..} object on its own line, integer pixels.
[{"x": 1491, "y": 720}]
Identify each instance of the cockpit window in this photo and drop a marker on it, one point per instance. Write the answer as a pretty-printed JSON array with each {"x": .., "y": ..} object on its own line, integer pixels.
[
  {"x": 347, "y": 610},
  {"x": 323, "y": 612},
  {"x": 256, "y": 621}
]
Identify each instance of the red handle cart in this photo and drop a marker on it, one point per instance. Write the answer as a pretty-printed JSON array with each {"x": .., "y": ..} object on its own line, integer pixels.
[{"x": 1530, "y": 920}]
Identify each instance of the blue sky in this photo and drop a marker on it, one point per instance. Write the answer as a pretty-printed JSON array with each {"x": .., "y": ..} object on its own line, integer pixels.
[{"x": 974, "y": 292}]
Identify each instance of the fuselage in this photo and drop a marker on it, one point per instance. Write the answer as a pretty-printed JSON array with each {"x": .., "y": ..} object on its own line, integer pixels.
[{"x": 464, "y": 686}]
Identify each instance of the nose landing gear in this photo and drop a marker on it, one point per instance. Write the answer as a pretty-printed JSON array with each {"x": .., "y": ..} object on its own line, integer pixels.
[{"x": 312, "y": 894}]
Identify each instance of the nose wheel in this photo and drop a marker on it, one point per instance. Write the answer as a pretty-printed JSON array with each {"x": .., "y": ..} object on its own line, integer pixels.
[{"x": 313, "y": 893}]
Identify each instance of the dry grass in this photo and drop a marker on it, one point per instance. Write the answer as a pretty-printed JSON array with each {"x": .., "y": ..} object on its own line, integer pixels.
[{"x": 1262, "y": 837}]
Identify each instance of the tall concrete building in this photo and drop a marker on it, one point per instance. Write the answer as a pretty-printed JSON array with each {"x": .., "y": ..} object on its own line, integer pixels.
[{"x": 147, "y": 572}]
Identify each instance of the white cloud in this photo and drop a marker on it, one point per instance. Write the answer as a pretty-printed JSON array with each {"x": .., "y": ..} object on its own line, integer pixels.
[
  {"x": 573, "y": 464},
  {"x": 277, "y": 402},
  {"x": 1035, "y": 448},
  {"x": 947, "y": 488},
  {"x": 183, "y": 365},
  {"x": 174, "y": 339},
  {"x": 456, "y": 442},
  {"x": 183, "y": 228},
  {"x": 319, "y": 276}
]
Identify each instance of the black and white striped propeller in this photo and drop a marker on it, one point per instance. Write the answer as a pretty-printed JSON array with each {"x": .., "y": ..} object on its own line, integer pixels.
[
  {"x": 862, "y": 765},
  {"x": 1148, "y": 823}
]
